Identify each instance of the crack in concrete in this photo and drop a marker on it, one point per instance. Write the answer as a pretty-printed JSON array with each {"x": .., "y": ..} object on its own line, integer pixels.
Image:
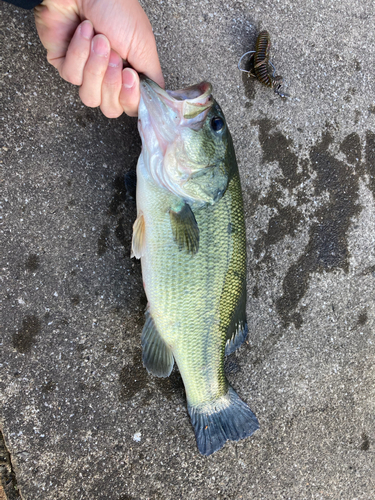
[{"x": 8, "y": 481}]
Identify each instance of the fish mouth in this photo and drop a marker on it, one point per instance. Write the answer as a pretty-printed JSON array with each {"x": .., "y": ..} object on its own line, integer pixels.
[{"x": 192, "y": 104}]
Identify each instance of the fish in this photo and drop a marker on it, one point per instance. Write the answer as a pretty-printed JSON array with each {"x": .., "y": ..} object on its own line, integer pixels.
[{"x": 190, "y": 236}]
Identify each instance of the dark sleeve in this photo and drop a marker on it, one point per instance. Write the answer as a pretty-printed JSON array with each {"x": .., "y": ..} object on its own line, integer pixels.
[{"x": 24, "y": 4}]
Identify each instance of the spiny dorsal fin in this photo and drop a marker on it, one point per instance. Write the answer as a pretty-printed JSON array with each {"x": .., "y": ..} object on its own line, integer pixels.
[
  {"x": 185, "y": 229},
  {"x": 138, "y": 240},
  {"x": 237, "y": 330},
  {"x": 157, "y": 356}
]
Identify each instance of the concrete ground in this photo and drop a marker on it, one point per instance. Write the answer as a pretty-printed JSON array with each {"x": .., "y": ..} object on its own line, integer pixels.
[{"x": 80, "y": 416}]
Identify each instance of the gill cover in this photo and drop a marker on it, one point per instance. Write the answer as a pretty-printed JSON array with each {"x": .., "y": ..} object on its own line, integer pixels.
[{"x": 183, "y": 148}]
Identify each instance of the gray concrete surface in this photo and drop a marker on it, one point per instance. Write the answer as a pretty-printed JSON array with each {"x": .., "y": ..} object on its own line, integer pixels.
[{"x": 80, "y": 416}]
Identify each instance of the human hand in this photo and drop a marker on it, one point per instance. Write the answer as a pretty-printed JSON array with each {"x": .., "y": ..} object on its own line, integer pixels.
[{"x": 94, "y": 61}]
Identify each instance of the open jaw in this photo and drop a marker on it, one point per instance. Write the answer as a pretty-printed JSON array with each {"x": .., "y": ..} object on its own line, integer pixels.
[{"x": 190, "y": 105}]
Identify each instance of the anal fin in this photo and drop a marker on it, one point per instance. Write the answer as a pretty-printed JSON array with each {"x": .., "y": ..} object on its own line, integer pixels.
[
  {"x": 237, "y": 330},
  {"x": 185, "y": 229},
  {"x": 156, "y": 355}
]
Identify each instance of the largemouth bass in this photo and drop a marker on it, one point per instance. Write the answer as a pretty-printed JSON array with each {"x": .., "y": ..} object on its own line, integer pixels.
[{"x": 190, "y": 236}]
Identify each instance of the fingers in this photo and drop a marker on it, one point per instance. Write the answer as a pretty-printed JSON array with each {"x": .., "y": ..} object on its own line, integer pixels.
[
  {"x": 111, "y": 87},
  {"x": 106, "y": 84},
  {"x": 90, "y": 63},
  {"x": 130, "y": 93},
  {"x": 77, "y": 54},
  {"x": 94, "y": 71},
  {"x": 120, "y": 89}
]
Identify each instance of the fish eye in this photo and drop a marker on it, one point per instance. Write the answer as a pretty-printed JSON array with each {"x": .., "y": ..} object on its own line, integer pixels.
[{"x": 217, "y": 123}]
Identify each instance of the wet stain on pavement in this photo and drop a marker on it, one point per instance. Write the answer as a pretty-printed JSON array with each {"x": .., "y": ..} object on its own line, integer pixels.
[
  {"x": 85, "y": 117},
  {"x": 327, "y": 247},
  {"x": 231, "y": 366},
  {"x": 103, "y": 240},
  {"x": 49, "y": 387},
  {"x": 370, "y": 159},
  {"x": 25, "y": 337},
  {"x": 362, "y": 318},
  {"x": 277, "y": 147},
  {"x": 172, "y": 385},
  {"x": 369, "y": 270},
  {"x": 119, "y": 195},
  {"x": 121, "y": 233},
  {"x": 357, "y": 65},
  {"x": 365, "y": 445},
  {"x": 32, "y": 262},
  {"x": 143, "y": 300},
  {"x": 284, "y": 223},
  {"x": 351, "y": 146},
  {"x": 75, "y": 300},
  {"x": 250, "y": 90},
  {"x": 133, "y": 378},
  {"x": 109, "y": 347},
  {"x": 130, "y": 182}
]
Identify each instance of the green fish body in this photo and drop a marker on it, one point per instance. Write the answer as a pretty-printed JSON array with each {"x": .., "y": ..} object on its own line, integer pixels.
[{"x": 190, "y": 236}]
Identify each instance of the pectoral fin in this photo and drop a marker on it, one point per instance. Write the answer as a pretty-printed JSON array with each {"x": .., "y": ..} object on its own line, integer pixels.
[
  {"x": 138, "y": 240},
  {"x": 185, "y": 229},
  {"x": 237, "y": 330},
  {"x": 157, "y": 356}
]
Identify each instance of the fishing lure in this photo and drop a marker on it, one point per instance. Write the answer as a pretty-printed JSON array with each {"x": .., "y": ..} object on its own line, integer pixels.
[{"x": 259, "y": 64}]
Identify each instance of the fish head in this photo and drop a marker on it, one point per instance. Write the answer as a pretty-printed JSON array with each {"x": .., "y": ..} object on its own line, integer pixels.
[{"x": 186, "y": 143}]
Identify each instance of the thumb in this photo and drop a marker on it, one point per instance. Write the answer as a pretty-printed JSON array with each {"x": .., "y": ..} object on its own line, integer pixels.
[{"x": 143, "y": 55}]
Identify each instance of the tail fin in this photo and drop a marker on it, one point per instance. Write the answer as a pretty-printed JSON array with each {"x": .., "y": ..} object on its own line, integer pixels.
[{"x": 226, "y": 418}]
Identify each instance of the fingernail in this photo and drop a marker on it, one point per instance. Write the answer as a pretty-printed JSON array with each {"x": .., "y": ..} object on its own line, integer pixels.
[
  {"x": 100, "y": 46},
  {"x": 86, "y": 30},
  {"x": 128, "y": 78},
  {"x": 114, "y": 60}
]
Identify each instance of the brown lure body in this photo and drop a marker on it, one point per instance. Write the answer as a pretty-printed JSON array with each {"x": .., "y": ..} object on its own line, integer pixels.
[
  {"x": 260, "y": 65},
  {"x": 261, "y": 58}
]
